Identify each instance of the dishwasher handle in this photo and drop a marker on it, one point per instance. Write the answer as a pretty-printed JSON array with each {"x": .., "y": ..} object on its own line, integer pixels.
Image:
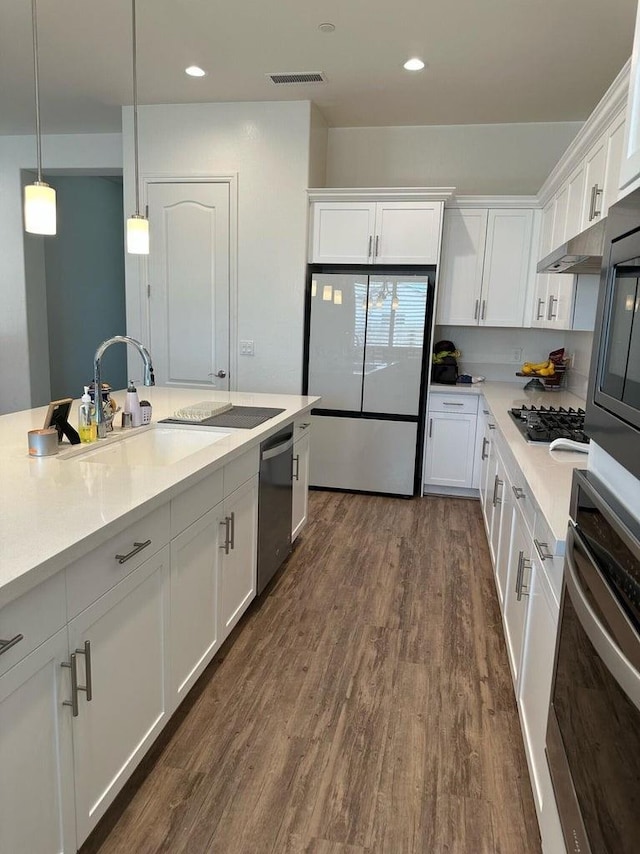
[{"x": 276, "y": 450}]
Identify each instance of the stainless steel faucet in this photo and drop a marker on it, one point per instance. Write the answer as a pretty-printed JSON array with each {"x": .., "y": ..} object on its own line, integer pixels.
[{"x": 97, "y": 370}]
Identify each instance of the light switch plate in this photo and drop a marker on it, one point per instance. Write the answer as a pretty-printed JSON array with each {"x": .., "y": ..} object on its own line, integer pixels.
[{"x": 247, "y": 348}]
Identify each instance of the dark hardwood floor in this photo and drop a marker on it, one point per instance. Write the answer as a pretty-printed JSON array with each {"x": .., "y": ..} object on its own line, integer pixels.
[{"x": 363, "y": 705}]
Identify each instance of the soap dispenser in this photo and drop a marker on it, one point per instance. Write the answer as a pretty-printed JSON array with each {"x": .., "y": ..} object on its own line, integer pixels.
[
  {"x": 87, "y": 429},
  {"x": 132, "y": 404}
]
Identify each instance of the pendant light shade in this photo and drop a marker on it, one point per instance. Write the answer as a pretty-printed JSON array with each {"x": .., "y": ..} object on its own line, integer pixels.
[
  {"x": 39, "y": 208},
  {"x": 39, "y": 197},
  {"x": 138, "y": 235},
  {"x": 137, "y": 225}
]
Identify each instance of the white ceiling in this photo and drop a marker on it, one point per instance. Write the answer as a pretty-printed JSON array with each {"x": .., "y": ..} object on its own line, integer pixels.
[{"x": 488, "y": 60}]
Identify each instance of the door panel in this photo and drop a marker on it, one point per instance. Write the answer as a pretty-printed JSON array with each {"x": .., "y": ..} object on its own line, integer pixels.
[
  {"x": 407, "y": 232},
  {"x": 463, "y": 239},
  {"x": 336, "y": 339},
  {"x": 189, "y": 283},
  {"x": 394, "y": 344}
]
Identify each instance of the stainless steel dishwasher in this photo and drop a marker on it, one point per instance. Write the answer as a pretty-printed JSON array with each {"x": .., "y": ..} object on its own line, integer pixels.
[{"x": 274, "y": 504}]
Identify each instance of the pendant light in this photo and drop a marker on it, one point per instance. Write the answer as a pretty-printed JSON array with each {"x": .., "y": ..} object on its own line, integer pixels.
[
  {"x": 137, "y": 225},
  {"x": 39, "y": 197}
]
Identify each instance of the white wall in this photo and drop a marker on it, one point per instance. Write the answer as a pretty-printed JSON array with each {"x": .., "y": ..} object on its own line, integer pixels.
[
  {"x": 268, "y": 146},
  {"x": 476, "y": 159},
  {"x": 96, "y": 151}
]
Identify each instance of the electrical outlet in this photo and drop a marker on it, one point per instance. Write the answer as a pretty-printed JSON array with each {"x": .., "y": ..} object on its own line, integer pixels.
[
  {"x": 516, "y": 355},
  {"x": 247, "y": 348}
]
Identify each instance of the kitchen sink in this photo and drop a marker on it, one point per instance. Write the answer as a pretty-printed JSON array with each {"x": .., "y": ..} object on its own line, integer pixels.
[{"x": 157, "y": 446}]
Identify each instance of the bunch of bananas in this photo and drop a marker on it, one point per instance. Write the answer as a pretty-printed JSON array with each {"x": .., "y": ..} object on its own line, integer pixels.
[{"x": 539, "y": 369}]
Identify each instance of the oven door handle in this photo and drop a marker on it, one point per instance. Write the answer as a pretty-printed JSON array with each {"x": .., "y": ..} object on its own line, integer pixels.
[{"x": 616, "y": 662}]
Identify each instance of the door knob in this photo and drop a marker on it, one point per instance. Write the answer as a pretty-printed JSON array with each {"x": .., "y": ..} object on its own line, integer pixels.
[{"x": 221, "y": 374}]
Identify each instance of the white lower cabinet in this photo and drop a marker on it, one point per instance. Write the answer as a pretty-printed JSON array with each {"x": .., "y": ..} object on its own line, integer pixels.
[
  {"x": 195, "y": 637},
  {"x": 238, "y": 550},
  {"x": 533, "y": 703},
  {"x": 516, "y": 596},
  {"x": 450, "y": 449},
  {"x": 36, "y": 756},
  {"x": 126, "y": 668},
  {"x": 300, "y": 501}
]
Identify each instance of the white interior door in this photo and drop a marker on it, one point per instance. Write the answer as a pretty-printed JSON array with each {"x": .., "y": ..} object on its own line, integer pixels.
[{"x": 189, "y": 283}]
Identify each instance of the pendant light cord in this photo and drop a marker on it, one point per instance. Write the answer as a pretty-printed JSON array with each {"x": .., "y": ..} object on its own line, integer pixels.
[
  {"x": 135, "y": 105},
  {"x": 34, "y": 27}
]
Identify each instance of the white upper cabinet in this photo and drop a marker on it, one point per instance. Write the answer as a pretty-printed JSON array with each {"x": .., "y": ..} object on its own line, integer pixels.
[
  {"x": 343, "y": 232},
  {"x": 407, "y": 232},
  {"x": 595, "y": 166},
  {"x": 615, "y": 145},
  {"x": 375, "y": 232},
  {"x": 630, "y": 166},
  {"x": 561, "y": 205},
  {"x": 575, "y": 203},
  {"x": 464, "y": 234},
  {"x": 485, "y": 267}
]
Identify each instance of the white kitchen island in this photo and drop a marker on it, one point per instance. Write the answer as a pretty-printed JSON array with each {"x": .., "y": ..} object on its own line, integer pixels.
[{"x": 118, "y": 584}]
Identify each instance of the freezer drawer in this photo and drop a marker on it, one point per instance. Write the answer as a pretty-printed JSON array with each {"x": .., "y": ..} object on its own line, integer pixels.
[{"x": 363, "y": 454}]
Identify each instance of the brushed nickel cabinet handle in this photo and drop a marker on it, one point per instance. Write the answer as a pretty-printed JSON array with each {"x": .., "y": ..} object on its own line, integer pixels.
[
  {"x": 447, "y": 403},
  {"x": 377, "y": 246},
  {"x": 370, "y": 246},
  {"x": 550, "y": 314},
  {"x": 232, "y": 526},
  {"x": 496, "y": 481},
  {"x": 5, "y": 645},
  {"x": 88, "y": 686},
  {"x": 227, "y": 541},
  {"x": 518, "y": 492},
  {"x": 484, "y": 309},
  {"x": 430, "y": 427},
  {"x": 599, "y": 194},
  {"x": 540, "y": 311},
  {"x": 73, "y": 702},
  {"x": 592, "y": 204},
  {"x": 137, "y": 547},
  {"x": 296, "y": 471},
  {"x": 476, "y": 310},
  {"x": 519, "y": 575},
  {"x": 544, "y": 555},
  {"x": 485, "y": 443},
  {"x": 524, "y": 588},
  {"x": 491, "y": 426}
]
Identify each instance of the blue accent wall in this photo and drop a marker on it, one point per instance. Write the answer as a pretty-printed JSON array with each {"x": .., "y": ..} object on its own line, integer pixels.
[{"x": 84, "y": 268}]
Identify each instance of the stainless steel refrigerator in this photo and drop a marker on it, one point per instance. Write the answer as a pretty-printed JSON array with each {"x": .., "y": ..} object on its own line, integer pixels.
[{"x": 366, "y": 348}]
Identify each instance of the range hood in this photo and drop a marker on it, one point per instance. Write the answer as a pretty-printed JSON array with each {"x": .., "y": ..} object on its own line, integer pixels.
[{"x": 580, "y": 254}]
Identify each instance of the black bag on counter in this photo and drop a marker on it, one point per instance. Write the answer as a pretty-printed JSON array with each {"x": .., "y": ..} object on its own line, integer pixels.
[{"x": 444, "y": 367}]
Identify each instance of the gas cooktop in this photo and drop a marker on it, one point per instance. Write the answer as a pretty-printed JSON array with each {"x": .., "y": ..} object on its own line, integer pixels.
[{"x": 543, "y": 424}]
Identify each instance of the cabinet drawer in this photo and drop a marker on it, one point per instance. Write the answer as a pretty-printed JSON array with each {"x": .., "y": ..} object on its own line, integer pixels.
[
  {"x": 92, "y": 575},
  {"x": 196, "y": 501},
  {"x": 523, "y": 499},
  {"x": 240, "y": 470},
  {"x": 549, "y": 554},
  {"x": 451, "y": 403},
  {"x": 37, "y": 615},
  {"x": 301, "y": 426}
]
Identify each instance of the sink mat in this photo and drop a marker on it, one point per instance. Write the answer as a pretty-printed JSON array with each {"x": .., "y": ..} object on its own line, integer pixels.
[{"x": 242, "y": 417}]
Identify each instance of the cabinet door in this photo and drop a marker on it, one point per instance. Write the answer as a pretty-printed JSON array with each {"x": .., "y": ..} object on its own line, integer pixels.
[
  {"x": 595, "y": 166},
  {"x": 546, "y": 228},
  {"x": 516, "y": 599},
  {"x": 450, "y": 449},
  {"x": 535, "y": 680},
  {"x": 487, "y": 473},
  {"x": 575, "y": 202},
  {"x": 506, "y": 267},
  {"x": 300, "y": 503},
  {"x": 343, "y": 232},
  {"x": 539, "y": 316},
  {"x": 36, "y": 755},
  {"x": 407, "y": 232},
  {"x": 560, "y": 216},
  {"x": 560, "y": 296},
  {"x": 128, "y": 633},
  {"x": 630, "y": 167},
  {"x": 460, "y": 281},
  {"x": 238, "y": 566},
  {"x": 507, "y": 509},
  {"x": 615, "y": 143},
  {"x": 498, "y": 498},
  {"x": 194, "y": 600}
]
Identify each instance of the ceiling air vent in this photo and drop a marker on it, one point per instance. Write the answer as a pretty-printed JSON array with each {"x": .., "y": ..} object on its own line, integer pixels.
[{"x": 289, "y": 78}]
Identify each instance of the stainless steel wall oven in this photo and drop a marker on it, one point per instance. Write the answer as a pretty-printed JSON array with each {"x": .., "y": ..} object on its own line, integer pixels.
[
  {"x": 593, "y": 730},
  {"x": 613, "y": 404}
]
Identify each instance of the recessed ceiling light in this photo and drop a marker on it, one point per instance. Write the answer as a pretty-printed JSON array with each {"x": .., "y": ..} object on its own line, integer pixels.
[
  {"x": 195, "y": 71},
  {"x": 414, "y": 64},
  {"x": 326, "y": 27}
]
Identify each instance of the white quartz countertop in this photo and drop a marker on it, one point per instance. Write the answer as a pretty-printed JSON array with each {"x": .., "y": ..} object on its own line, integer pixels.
[
  {"x": 54, "y": 510},
  {"x": 548, "y": 473}
]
